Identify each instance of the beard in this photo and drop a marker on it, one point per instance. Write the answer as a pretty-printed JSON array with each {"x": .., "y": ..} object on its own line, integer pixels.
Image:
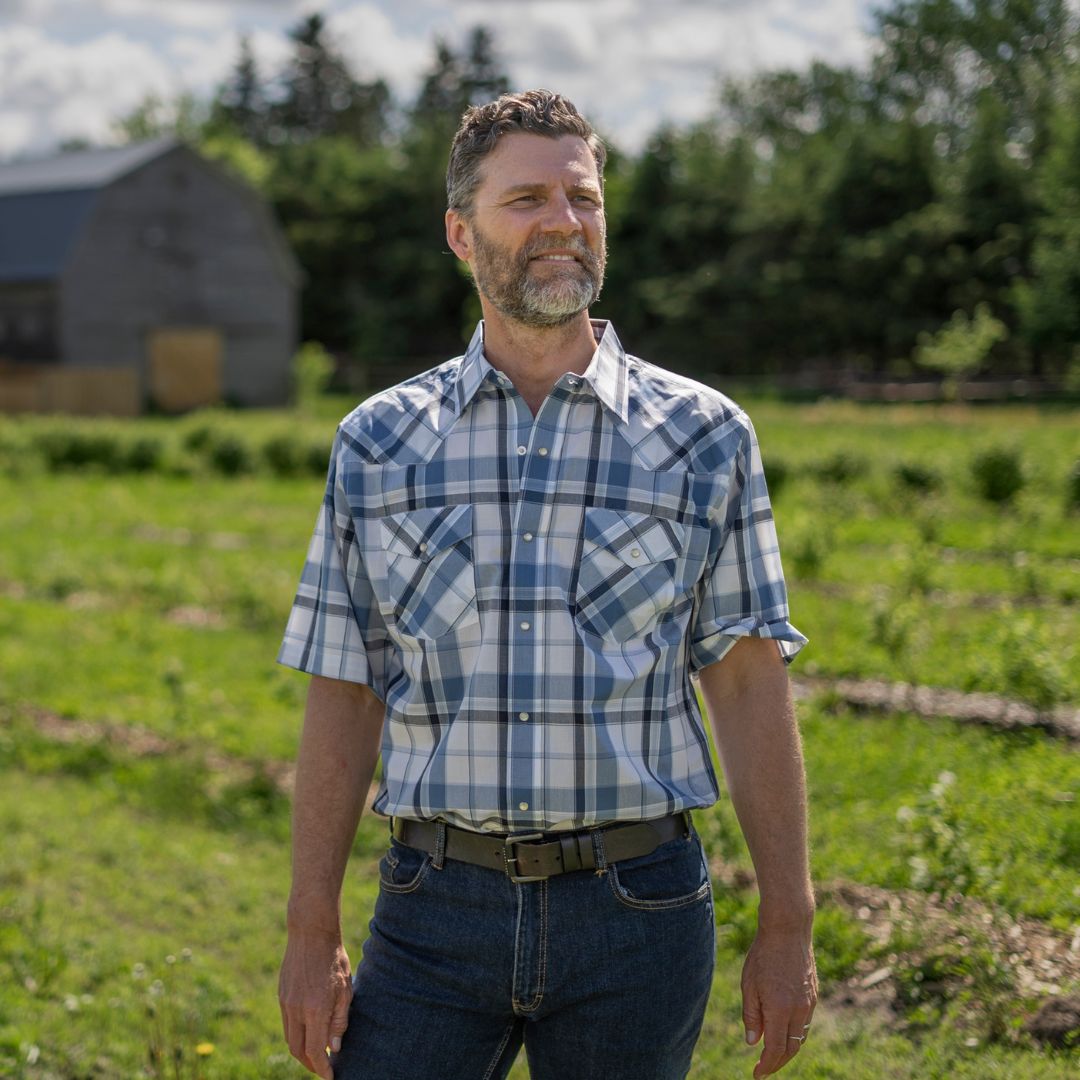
[{"x": 553, "y": 297}]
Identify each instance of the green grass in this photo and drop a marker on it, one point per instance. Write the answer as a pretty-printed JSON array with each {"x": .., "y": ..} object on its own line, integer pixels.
[{"x": 158, "y": 600}]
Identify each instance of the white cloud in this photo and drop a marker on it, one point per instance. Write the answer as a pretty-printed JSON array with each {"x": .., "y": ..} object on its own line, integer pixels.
[
  {"x": 67, "y": 91},
  {"x": 627, "y": 63},
  {"x": 374, "y": 46}
]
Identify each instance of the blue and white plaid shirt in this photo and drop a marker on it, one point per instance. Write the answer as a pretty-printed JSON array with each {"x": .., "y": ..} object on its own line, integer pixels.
[{"x": 529, "y": 596}]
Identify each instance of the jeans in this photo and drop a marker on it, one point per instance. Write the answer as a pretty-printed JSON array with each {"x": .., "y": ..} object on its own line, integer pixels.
[{"x": 601, "y": 973}]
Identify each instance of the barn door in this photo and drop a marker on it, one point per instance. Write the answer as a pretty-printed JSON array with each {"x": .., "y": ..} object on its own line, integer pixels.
[{"x": 185, "y": 367}]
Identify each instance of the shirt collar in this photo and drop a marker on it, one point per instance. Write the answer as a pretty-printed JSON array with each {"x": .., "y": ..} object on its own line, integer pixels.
[{"x": 607, "y": 373}]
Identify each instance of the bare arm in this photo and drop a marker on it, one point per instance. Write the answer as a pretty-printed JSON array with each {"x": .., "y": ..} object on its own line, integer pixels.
[
  {"x": 338, "y": 751},
  {"x": 748, "y": 701}
]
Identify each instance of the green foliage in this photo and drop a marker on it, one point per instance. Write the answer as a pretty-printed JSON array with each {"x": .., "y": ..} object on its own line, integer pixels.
[
  {"x": 1072, "y": 490},
  {"x": 961, "y": 347},
  {"x": 917, "y": 476},
  {"x": 997, "y": 474},
  {"x": 230, "y": 454},
  {"x": 840, "y": 942},
  {"x": 841, "y": 468},
  {"x": 934, "y": 836},
  {"x": 777, "y": 472},
  {"x": 1027, "y": 658},
  {"x": 312, "y": 369}
]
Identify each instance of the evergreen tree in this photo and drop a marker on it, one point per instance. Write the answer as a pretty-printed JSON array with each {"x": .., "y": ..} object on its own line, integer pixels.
[
  {"x": 241, "y": 102},
  {"x": 320, "y": 95}
]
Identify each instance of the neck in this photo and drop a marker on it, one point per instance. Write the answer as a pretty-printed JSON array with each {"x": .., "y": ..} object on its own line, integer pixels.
[{"x": 534, "y": 357}]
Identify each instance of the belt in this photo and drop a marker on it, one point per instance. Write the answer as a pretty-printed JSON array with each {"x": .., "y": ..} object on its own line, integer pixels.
[{"x": 535, "y": 856}]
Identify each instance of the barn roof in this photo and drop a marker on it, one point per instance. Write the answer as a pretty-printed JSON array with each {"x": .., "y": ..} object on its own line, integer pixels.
[
  {"x": 44, "y": 202},
  {"x": 78, "y": 170}
]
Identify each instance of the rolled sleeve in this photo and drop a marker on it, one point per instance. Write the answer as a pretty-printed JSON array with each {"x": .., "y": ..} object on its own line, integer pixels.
[
  {"x": 744, "y": 594},
  {"x": 335, "y": 628}
]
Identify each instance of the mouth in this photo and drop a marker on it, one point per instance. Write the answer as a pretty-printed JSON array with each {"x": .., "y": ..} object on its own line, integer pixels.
[{"x": 554, "y": 258}]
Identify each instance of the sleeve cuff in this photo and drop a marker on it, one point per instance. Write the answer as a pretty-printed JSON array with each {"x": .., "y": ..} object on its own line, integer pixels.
[
  {"x": 713, "y": 647},
  {"x": 352, "y": 667}
]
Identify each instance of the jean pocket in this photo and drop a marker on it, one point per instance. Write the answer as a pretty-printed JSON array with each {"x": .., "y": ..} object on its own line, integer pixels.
[
  {"x": 673, "y": 876},
  {"x": 403, "y": 868}
]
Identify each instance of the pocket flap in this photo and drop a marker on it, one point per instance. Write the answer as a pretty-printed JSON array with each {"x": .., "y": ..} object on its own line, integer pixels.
[
  {"x": 423, "y": 533},
  {"x": 633, "y": 537}
]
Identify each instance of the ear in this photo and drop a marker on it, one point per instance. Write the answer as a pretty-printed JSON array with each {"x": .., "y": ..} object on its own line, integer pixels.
[{"x": 458, "y": 235}]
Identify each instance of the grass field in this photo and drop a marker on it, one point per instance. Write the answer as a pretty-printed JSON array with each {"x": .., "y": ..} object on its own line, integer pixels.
[{"x": 143, "y": 879}]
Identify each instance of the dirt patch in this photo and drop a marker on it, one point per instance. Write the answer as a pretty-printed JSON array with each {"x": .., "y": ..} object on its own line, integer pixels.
[
  {"x": 938, "y": 702},
  {"x": 932, "y": 950}
]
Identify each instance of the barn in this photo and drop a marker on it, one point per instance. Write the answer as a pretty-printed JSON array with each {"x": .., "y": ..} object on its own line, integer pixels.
[{"x": 140, "y": 276}]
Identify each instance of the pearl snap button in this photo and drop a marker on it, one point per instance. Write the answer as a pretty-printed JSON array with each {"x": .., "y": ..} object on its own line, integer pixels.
[
  {"x": 423, "y": 547},
  {"x": 635, "y": 552},
  {"x": 523, "y": 806},
  {"x": 542, "y": 451},
  {"x": 527, "y": 536},
  {"x": 525, "y": 625},
  {"x": 521, "y": 449},
  {"x": 523, "y": 716}
]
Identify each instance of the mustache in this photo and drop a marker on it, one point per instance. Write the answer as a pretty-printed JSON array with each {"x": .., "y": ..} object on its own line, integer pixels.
[{"x": 575, "y": 246}]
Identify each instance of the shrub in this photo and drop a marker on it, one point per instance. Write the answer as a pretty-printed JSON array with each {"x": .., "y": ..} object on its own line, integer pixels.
[
  {"x": 284, "y": 456},
  {"x": 1072, "y": 490},
  {"x": 841, "y": 468},
  {"x": 997, "y": 474},
  {"x": 312, "y": 370},
  {"x": 144, "y": 454},
  {"x": 230, "y": 455},
  {"x": 776, "y": 475},
  {"x": 317, "y": 458},
  {"x": 74, "y": 449},
  {"x": 917, "y": 477}
]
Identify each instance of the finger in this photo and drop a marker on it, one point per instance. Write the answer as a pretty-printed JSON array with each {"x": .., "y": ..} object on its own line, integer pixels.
[
  {"x": 339, "y": 1021},
  {"x": 317, "y": 1060},
  {"x": 775, "y": 1052}
]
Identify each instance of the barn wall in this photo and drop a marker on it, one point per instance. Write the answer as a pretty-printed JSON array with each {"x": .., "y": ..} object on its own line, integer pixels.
[{"x": 176, "y": 245}]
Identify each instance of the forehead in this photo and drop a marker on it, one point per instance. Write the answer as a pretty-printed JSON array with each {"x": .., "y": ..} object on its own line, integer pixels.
[{"x": 523, "y": 158}]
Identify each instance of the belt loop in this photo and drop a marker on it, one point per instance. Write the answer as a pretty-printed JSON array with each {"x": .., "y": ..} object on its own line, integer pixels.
[
  {"x": 440, "y": 845},
  {"x": 599, "y": 856}
]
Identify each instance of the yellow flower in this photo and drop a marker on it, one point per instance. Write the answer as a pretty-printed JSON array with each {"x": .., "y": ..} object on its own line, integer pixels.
[{"x": 204, "y": 1049}]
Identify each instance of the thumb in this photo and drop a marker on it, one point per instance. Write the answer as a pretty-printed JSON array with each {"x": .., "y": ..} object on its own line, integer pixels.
[{"x": 339, "y": 1020}]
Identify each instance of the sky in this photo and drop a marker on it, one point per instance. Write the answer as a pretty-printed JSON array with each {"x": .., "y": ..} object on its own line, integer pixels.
[{"x": 68, "y": 68}]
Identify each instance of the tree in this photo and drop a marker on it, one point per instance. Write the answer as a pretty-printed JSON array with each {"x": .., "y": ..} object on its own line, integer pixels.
[
  {"x": 960, "y": 347},
  {"x": 241, "y": 102},
  {"x": 1049, "y": 302},
  {"x": 319, "y": 95}
]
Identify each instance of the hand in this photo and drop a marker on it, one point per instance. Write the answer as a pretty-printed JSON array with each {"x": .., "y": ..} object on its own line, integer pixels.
[
  {"x": 314, "y": 991},
  {"x": 779, "y": 988}
]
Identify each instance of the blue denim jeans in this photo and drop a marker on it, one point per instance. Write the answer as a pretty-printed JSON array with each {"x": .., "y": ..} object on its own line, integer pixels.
[{"x": 601, "y": 973}]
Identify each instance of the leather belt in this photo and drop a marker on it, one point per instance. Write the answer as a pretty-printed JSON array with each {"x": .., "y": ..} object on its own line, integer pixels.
[{"x": 535, "y": 856}]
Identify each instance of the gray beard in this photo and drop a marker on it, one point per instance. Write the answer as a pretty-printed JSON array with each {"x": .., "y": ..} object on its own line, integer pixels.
[{"x": 506, "y": 282}]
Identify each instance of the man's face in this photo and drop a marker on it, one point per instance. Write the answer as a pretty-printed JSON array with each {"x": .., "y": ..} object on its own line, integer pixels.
[{"x": 537, "y": 232}]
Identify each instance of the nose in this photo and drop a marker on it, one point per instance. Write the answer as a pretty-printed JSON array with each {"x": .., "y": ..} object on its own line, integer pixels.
[{"x": 561, "y": 216}]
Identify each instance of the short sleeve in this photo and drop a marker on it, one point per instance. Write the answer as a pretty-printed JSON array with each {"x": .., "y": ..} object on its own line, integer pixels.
[
  {"x": 744, "y": 593},
  {"x": 335, "y": 628}
]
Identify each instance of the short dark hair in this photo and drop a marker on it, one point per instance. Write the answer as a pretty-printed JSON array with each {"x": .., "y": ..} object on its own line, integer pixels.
[{"x": 538, "y": 112}]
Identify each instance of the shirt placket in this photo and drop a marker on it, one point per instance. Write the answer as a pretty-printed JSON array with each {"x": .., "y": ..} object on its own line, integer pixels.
[{"x": 538, "y": 440}]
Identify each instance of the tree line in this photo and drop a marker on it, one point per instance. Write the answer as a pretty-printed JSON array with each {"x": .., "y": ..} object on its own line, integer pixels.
[{"x": 921, "y": 213}]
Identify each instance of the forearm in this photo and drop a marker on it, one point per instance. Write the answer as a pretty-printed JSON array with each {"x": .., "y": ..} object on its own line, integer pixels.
[
  {"x": 757, "y": 737},
  {"x": 335, "y": 764}
]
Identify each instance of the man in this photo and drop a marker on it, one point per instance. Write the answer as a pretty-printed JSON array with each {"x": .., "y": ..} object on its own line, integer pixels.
[{"x": 522, "y": 556}]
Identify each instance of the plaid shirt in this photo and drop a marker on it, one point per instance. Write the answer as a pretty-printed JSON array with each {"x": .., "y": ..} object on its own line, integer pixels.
[{"x": 529, "y": 596}]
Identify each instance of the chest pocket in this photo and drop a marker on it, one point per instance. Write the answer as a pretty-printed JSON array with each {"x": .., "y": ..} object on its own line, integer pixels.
[
  {"x": 627, "y": 576},
  {"x": 430, "y": 575}
]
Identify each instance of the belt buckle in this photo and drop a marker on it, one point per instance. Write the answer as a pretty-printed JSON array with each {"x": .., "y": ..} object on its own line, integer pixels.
[{"x": 511, "y": 859}]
